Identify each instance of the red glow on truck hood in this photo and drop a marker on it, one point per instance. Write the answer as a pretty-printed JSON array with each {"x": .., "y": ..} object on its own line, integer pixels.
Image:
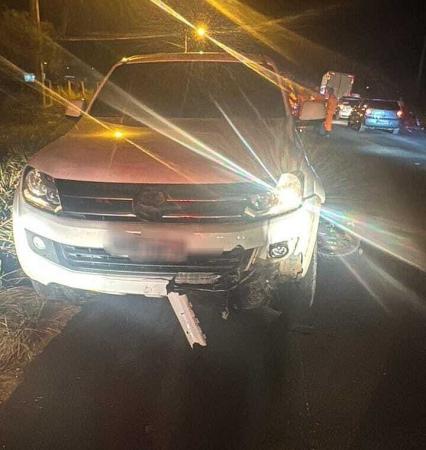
[{"x": 90, "y": 152}]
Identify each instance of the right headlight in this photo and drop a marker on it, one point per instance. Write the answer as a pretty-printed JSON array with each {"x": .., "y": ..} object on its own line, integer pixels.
[
  {"x": 40, "y": 191},
  {"x": 287, "y": 196}
]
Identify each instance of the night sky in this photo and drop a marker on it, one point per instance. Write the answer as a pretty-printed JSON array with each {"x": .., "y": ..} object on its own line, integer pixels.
[{"x": 386, "y": 35}]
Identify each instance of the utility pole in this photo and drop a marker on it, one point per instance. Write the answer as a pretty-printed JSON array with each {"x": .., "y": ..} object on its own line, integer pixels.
[
  {"x": 421, "y": 67},
  {"x": 186, "y": 42},
  {"x": 35, "y": 11},
  {"x": 38, "y": 63}
]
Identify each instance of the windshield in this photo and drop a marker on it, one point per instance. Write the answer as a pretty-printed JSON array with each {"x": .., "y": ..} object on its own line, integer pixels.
[
  {"x": 189, "y": 90},
  {"x": 349, "y": 101},
  {"x": 383, "y": 104}
]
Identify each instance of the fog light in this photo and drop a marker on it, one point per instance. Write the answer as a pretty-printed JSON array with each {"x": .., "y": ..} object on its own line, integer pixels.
[
  {"x": 39, "y": 243},
  {"x": 42, "y": 246},
  {"x": 278, "y": 250}
]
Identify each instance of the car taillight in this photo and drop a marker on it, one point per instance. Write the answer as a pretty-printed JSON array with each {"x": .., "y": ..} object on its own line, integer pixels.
[
  {"x": 399, "y": 113},
  {"x": 368, "y": 111}
]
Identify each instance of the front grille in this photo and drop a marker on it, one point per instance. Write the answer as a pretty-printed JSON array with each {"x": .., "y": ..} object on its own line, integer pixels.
[
  {"x": 99, "y": 260},
  {"x": 184, "y": 203}
]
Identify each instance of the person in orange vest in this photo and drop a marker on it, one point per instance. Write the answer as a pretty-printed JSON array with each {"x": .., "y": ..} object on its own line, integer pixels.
[{"x": 331, "y": 109}]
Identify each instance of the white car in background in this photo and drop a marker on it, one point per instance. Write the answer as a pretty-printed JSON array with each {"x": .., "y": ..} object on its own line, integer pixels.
[{"x": 345, "y": 106}]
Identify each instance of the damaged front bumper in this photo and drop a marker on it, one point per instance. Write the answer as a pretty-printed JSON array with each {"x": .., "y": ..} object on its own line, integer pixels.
[{"x": 77, "y": 253}]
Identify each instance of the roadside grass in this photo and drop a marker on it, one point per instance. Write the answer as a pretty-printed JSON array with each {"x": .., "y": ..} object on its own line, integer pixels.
[
  {"x": 27, "y": 322},
  {"x": 10, "y": 172},
  {"x": 25, "y": 128}
]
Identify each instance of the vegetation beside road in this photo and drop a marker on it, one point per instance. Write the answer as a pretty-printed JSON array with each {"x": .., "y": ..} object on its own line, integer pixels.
[
  {"x": 10, "y": 171},
  {"x": 25, "y": 127},
  {"x": 27, "y": 323}
]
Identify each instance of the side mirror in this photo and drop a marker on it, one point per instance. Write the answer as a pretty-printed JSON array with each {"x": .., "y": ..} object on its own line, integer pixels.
[
  {"x": 75, "y": 108},
  {"x": 312, "y": 110}
]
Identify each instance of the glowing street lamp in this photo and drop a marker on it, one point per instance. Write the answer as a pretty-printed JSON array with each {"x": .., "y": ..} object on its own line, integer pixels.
[{"x": 201, "y": 31}]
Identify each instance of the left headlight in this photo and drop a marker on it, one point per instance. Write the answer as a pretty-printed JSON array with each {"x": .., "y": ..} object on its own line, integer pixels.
[
  {"x": 40, "y": 190},
  {"x": 287, "y": 196}
]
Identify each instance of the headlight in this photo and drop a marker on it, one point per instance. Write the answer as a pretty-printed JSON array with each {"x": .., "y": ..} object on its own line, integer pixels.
[
  {"x": 287, "y": 196},
  {"x": 40, "y": 190}
]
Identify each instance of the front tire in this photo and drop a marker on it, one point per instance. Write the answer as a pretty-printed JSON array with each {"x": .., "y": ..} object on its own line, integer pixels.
[
  {"x": 252, "y": 294},
  {"x": 298, "y": 296}
]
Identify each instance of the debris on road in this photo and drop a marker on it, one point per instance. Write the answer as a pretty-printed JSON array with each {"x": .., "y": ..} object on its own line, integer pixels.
[
  {"x": 187, "y": 319},
  {"x": 333, "y": 241}
]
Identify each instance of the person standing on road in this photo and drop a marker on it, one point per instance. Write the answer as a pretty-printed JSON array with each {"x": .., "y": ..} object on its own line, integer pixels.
[{"x": 331, "y": 109}]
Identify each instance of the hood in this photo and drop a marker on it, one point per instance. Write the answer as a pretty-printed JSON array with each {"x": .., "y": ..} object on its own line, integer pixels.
[{"x": 187, "y": 151}]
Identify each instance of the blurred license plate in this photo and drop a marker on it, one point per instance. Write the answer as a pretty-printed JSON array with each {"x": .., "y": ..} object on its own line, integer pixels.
[{"x": 140, "y": 249}]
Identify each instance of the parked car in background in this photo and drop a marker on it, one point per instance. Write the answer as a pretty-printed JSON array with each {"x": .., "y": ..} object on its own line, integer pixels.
[
  {"x": 376, "y": 114},
  {"x": 410, "y": 122},
  {"x": 345, "y": 106}
]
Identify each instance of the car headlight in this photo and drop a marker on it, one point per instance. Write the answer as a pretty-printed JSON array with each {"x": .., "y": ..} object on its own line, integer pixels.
[
  {"x": 286, "y": 196},
  {"x": 40, "y": 190}
]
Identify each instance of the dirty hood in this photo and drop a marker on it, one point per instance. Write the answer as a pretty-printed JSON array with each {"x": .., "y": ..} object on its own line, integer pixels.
[{"x": 185, "y": 151}]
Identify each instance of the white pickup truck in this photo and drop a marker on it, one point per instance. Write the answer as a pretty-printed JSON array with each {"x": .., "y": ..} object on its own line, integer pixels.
[{"x": 184, "y": 173}]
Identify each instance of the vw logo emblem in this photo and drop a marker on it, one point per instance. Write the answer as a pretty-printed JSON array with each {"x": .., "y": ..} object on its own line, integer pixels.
[{"x": 148, "y": 203}]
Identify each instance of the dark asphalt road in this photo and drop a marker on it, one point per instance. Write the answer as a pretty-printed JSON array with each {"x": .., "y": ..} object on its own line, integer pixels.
[{"x": 350, "y": 375}]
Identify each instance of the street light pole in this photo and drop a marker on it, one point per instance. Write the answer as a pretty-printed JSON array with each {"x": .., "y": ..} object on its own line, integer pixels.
[
  {"x": 421, "y": 66},
  {"x": 35, "y": 14},
  {"x": 35, "y": 11}
]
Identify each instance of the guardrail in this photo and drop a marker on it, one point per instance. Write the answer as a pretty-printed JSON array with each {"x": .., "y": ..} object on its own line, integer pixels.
[{"x": 70, "y": 90}]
